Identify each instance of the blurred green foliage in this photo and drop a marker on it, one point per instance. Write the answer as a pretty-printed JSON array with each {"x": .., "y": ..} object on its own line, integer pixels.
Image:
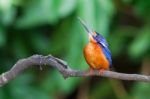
[{"x": 45, "y": 27}]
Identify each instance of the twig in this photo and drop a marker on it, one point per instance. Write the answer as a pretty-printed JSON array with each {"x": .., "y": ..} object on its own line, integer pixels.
[{"x": 64, "y": 69}]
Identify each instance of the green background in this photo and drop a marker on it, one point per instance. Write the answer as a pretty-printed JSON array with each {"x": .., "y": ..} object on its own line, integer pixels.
[{"x": 45, "y": 27}]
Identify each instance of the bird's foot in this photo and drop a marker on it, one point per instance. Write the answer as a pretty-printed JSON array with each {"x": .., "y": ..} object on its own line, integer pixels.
[
  {"x": 91, "y": 71},
  {"x": 101, "y": 71}
]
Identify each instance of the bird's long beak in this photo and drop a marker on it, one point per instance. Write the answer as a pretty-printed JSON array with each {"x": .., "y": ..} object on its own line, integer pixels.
[{"x": 87, "y": 28}]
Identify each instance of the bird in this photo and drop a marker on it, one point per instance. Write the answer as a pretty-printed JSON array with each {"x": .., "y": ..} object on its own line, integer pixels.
[{"x": 96, "y": 52}]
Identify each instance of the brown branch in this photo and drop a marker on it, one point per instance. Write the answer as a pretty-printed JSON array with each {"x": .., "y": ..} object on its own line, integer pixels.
[{"x": 64, "y": 69}]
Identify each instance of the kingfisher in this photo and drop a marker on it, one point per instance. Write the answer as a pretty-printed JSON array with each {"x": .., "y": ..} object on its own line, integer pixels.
[{"x": 96, "y": 52}]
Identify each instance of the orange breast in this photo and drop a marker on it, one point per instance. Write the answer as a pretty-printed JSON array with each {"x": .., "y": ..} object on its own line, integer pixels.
[{"x": 95, "y": 57}]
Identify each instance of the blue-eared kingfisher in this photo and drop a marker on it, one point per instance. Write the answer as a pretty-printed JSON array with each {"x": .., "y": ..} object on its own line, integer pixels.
[{"x": 96, "y": 52}]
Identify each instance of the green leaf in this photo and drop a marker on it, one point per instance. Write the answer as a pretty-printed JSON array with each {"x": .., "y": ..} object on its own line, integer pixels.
[
  {"x": 142, "y": 8},
  {"x": 66, "y": 7},
  {"x": 75, "y": 47},
  {"x": 37, "y": 13},
  {"x": 86, "y": 10},
  {"x": 104, "y": 88},
  {"x": 5, "y": 5},
  {"x": 56, "y": 83},
  {"x": 22, "y": 88},
  {"x": 2, "y": 37},
  {"x": 7, "y": 12},
  {"x": 98, "y": 14},
  {"x": 141, "y": 91},
  {"x": 40, "y": 43},
  {"x": 116, "y": 40},
  {"x": 20, "y": 48},
  {"x": 2, "y": 94},
  {"x": 141, "y": 44},
  {"x": 104, "y": 14}
]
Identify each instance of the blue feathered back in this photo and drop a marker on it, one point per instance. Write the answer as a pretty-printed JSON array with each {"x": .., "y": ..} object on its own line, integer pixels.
[{"x": 104, "y": 45}]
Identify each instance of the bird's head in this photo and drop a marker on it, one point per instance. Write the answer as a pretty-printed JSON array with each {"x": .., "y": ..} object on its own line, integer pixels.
[{"x": 92, "y": 34}]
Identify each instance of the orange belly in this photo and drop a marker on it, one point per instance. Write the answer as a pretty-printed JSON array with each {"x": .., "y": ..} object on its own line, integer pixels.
[{"x": 95, "y": 57}]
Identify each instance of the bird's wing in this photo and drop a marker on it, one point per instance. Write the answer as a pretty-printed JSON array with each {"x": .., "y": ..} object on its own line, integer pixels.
[
  {"x": 100, "y": 39},
  {"x": 107, "y": 53},
  {"x": 104, "y": 45}
]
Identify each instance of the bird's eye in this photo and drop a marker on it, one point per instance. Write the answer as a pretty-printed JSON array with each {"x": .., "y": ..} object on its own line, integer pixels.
[{"x": 94, "y": 34}]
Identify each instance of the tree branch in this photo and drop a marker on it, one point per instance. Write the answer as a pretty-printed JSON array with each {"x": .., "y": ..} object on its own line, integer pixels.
[{"x": 64, "y": 69}]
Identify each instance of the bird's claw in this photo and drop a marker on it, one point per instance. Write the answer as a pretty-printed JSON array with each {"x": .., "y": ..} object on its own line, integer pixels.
[{"x": 101, "y": 71}]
